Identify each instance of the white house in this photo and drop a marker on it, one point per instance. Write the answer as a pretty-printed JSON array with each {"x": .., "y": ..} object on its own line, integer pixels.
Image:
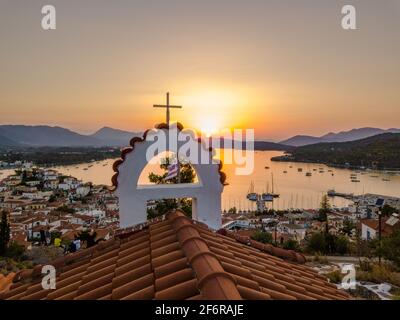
[{"x": 296, "y": 230}]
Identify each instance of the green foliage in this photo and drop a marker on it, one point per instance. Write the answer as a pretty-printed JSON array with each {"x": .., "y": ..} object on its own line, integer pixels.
[
  {"x": 186, "y": 174},
  {"x": 291, "y": 245},
  {"x": 261, "y": 236},
  {"x": 390, "y": 247},
  {"x": 88, "y": 237},
  {"x": 15, "y": 251},
  {"x": 65, "y": 209},
  {"x": 4, "y": 233},
  {"x": 335, "y": 276},
  {"x": 325, "y": 243},
  {"x": 388, "y": 210},
  {"x": 325, "y": 208},
  {"x": 380, "y": 151},
  {"x": 54, "y": 235},
  {"x": 165, "y": 205},
  {"x": 341, "y": 245},
  {"x": 380, "y": 273},
  {"x": 348, "y": 227},
  {"x": 43, "y": 156},
  {"x": 317, "y": 243},
  {"x": 232, "y": 210}
]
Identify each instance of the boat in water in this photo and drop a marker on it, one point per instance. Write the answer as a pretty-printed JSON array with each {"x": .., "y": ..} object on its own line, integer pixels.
[
  {"x": 267, "y": 197},
  {"x": 300, "y": 169},
  {"x": 308, "y": 174},
  {"x": 274, "y": 195},
  {"x": 251, "y": 195}
]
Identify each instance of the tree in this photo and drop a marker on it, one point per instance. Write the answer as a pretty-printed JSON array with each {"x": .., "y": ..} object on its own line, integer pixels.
[
  {"x": 325, "y": 208},
  {"x": 88, "y": 237},
  {"x": 388, "y": 210},
  {"x": 390, "y": 247},
  {"x": 186, "y": 175},
  {"x": 348, "y": 227},
  {"x": 4, "y": 233},
  {"x": 291, "y": 245},
  {"x": 342, "y": 245},
  {"x": 317, "y": 243},
  {"x": 261, "y": 236},
  {"x": 232, "y": 210}
]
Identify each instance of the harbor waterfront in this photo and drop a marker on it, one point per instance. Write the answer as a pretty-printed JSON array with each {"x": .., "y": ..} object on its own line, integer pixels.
[{"x": 300, "y": 185}]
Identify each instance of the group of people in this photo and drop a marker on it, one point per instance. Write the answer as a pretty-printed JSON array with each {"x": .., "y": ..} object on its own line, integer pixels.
[{"x": 73, "y": 246}]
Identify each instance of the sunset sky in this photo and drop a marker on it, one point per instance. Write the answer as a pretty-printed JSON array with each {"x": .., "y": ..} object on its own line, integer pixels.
[{"x": 282, "y": 67}]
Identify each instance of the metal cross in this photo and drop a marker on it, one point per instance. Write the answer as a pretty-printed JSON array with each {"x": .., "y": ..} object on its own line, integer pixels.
[{"x": 167, "y": 106}]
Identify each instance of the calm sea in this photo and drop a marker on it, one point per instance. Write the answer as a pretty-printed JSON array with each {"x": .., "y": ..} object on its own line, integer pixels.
[{"x": 295, "y": 188}]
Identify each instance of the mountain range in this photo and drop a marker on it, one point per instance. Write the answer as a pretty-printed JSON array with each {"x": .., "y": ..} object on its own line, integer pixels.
[
  {"x": 344, "y": 136},
  {"x": 47, "y": 136},
  {"x": 380, "y": 151}
]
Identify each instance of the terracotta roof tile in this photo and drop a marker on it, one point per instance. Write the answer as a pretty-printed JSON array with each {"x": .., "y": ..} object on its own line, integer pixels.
[{"x": 177, "y": 258}]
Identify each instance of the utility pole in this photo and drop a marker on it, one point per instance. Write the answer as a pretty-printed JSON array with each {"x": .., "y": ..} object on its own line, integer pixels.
[{"x": 380, "y": 235}]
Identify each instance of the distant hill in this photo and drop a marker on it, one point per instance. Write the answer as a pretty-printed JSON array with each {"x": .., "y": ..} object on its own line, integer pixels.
[
  {"x": 47, "y": 136},
  {"x": 344, "y": 136},
  {"x": 6, "y": 142},
  {"x": 258, "y": 145},
  {"x": 382, "y": 151},
  {"x": 265, "y": 145},
  {"x": 115, "y": 137},
  {"x": 40, "y": 136},
  {"x": 301, "y": 140}
]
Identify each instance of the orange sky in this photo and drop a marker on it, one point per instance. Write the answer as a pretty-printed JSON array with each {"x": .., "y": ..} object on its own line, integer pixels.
[{"x": 280, "y": 67}]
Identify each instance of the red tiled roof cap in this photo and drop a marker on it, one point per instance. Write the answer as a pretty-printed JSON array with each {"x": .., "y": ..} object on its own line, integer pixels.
[{"x": 214, "y": 283}]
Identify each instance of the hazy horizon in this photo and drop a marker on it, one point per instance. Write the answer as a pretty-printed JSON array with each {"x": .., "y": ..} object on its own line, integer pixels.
[{"x": 281, "y": 67}]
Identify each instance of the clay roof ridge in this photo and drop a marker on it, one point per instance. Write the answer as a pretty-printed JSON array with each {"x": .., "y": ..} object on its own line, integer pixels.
[
  {"x": 268, "y": 248},
  {"x": 214, "y": 282}
]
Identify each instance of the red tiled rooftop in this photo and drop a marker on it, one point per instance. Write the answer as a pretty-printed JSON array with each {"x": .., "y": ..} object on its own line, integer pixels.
[{"x": 177, "y": 258}]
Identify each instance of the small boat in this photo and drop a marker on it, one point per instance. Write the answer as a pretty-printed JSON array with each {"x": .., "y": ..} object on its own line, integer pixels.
[
  {"x": 290, "y": 166},
  {"x": 285, "y": 171},
  {"x": 85, "y": 169},
  {"x": 374, "y": 176},
  {"x": 384, "y": 179},
  {"x": 266, "y": 167},
  {"x": 300, "y": 169},
  {"x": 308, "y": 174},
  {"x": 333, "y": 174},
  {"x": 251, "y": 195},
  {"x": 90, "y": 166},
  {"x": 267, "y": 197},
  {"x": 355, "y": 180},
  {"x": 104, "y": 164}
]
